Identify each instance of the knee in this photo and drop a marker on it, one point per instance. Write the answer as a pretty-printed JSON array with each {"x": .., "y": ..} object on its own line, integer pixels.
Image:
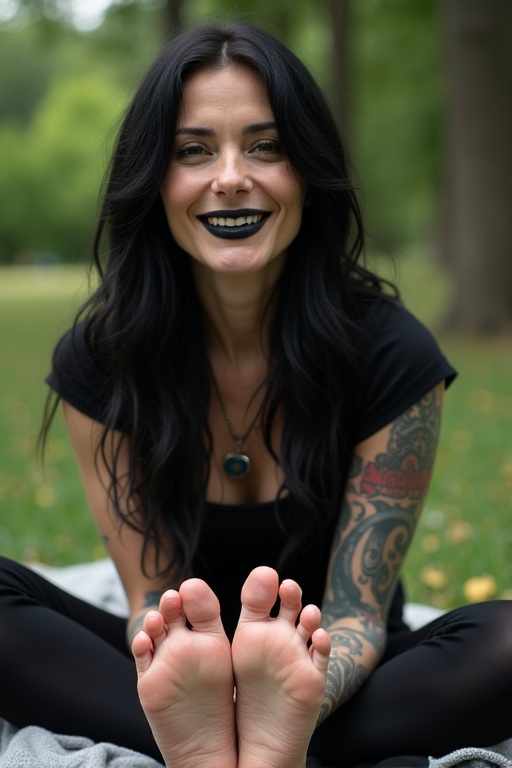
[
  {"x": 14, "y": 578},
  {"x": 500, "y": 624},
  {"x": 493, "y": 616},
  {"x": 492, "y": 625},
  {"x": 7, "y": 569}
]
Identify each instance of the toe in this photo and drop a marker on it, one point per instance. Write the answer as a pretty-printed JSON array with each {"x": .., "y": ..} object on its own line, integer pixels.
[
  {"x": 155, "y": 628},
  {"x": 171, "y": 608},
  {"x": 201, "y": 606},
  {"x": 142, "y": 649},
  {"x": 310, "y": 620},
  {"x": 320, "y": 649},
  {"x": 259, "y": 594},
  {"x": 291, "y": 595}
]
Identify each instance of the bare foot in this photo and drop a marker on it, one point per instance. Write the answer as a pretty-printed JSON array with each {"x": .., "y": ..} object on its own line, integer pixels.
[
  {"x": 185, "y": 679},
  {"x": 280, "y": 681}
]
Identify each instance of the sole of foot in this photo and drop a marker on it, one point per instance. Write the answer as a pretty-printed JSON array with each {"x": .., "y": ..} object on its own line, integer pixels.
[
  {"x": 185, "y": 679},
  {"x": 280, "y": 669}
]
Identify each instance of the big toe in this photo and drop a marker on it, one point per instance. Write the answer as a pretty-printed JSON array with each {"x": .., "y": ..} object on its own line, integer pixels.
[
  {"x": 259, "y": 594},
  {"x": 201, "y": 606}
]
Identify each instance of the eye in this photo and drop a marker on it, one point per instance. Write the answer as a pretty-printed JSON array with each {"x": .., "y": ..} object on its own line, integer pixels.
[
  {"x": 191, "y": 151},
  {"x": 268, "y": 147}
]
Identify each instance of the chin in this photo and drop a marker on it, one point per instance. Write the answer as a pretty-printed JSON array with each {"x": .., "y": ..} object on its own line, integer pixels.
[
  {"x": 238, "y": 264},
  {"x": 239, "y": 267}
]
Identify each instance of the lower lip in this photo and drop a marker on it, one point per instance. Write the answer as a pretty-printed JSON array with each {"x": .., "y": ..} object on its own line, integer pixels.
[{"x": 234, "y": 233}]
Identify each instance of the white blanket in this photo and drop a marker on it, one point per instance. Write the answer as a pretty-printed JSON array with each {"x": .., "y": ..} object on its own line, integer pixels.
[
  {"x": 99, "y": 583},
  {"x": 34, "y": 747}
]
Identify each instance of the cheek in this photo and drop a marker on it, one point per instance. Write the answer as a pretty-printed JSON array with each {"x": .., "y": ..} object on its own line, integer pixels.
[
  {"x": 180, "y": 192},
  {"x": 168, "y": 192},
  {"x": 289, "y": 190},
  {"x": 176, "y": 203}
]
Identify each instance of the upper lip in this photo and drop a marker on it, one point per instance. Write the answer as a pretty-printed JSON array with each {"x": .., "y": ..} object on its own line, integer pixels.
[{"x": 233, "y": 214}]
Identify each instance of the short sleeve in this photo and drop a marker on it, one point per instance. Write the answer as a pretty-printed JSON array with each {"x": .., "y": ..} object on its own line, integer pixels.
[
  {"x": 401, "y": 363},
  {"x": 77, "y": 377}
]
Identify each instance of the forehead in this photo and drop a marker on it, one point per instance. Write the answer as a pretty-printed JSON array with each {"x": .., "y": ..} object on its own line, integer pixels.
[{"x": 231, "y": 93}]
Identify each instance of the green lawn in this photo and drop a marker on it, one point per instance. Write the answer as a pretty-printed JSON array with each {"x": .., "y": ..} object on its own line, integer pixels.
[
  {"x": 465, "y": 532},
  {"x": 42, "y": 516}
]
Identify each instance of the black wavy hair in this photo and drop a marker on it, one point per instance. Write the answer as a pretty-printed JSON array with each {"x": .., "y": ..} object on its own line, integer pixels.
[{"x": 145, "y": 322}]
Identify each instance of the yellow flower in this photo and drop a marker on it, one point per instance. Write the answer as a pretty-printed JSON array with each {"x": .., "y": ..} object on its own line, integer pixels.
[
  {"x": 434, "y": 578},
  {"x": 480, "y": 588},
  {"x": 458, "y": 532},
  {"x": 430, "y": 543},
  {"x": 44, "y": 496}
]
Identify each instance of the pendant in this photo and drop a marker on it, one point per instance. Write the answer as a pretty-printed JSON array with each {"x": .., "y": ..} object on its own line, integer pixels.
[{"x": 237, "y": 465}]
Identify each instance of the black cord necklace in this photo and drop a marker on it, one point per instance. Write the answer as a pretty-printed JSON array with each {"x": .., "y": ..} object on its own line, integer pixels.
[{"x": 237, "y": 464}]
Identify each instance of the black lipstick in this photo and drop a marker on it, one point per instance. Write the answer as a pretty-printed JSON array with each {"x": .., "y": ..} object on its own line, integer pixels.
[{"x": 235, "y": 232}]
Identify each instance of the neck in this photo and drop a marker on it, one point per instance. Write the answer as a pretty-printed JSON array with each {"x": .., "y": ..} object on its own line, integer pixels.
[{"x": 234, "y": 306}]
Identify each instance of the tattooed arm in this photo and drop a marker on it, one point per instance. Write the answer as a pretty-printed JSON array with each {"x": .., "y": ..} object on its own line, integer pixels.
[
  {"x": 388, "y": 483},
  {"x": 149, "y": 602}
]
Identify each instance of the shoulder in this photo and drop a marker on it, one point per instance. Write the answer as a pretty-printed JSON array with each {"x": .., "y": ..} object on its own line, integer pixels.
[
  {"x": 77, "y": 375},
  {"x": 400, "y": 362},
  {"x": 387, "y": 326}
]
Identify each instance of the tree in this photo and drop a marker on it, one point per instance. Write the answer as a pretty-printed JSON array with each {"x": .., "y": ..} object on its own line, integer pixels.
[
  {"x": 394, "y": 118},
  {"x": 477, "y": 227},
  {"x": 385, "y": 68},
  {"x": 52, "y": 170},
  {"x": 26, "y": 72},
  {"x": 172, "y": 13},
  {"x": 339, "y": 20}
]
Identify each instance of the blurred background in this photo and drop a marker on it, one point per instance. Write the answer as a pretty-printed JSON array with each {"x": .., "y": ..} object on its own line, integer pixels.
[{"x": 423, "y": 93}]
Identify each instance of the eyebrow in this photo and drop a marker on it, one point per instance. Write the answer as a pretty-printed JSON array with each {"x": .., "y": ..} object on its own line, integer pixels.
[
  {"x": 248, "y": 129},
  {"x": 257, "y": 127}
]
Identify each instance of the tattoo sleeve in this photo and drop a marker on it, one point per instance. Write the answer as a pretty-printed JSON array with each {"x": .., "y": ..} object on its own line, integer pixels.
[
  {"x": 150, "y": 602},
  {"x": 385, "y": 492}
]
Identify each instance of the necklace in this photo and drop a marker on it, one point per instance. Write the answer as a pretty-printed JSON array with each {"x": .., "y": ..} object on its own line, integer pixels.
[{"x": 237, "y": 464}]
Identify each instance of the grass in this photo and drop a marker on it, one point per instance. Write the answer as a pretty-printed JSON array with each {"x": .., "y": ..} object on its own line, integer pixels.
[
  {"x": 463, "y": 546},
  {"x": 464, "y": 542},
  {"x": 42, "y": 516}
]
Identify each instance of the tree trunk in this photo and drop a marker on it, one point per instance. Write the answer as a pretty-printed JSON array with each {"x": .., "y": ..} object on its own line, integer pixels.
[
  {"x": 339, "y": 19},
  {"x": 172, "y": 16},
  {"x": 283, "y": 14},
  {"x": 478, "y": 217}
]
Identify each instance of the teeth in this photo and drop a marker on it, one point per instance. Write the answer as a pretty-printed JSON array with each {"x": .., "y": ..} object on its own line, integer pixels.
[{"x": 220, "y": 221}]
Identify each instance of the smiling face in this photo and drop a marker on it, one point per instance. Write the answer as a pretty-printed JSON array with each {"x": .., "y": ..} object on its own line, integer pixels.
[{"x": 231, "y": 197}]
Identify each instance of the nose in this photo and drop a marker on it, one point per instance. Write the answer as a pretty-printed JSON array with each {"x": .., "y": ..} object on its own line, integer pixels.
[{"x": 231, "y": 175}]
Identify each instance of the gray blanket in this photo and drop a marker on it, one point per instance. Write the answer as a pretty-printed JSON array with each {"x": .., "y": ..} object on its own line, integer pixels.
[
  {"x": 35, "y": 747},
  {"x": 501, "y": 755}
]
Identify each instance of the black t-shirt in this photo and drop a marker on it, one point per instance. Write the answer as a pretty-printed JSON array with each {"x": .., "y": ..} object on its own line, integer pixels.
[{"x": 401, "y": 362}]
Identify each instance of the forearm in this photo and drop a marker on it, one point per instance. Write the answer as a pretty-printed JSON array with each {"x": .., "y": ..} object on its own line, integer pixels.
[
  {"x": 357, "y": 647},
  {"x": 135, "y": 623},
  {"x": 138, "y": 612}
]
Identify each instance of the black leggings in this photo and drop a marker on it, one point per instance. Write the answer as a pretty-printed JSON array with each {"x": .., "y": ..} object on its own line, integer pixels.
[{"x": 65, "y": 666}]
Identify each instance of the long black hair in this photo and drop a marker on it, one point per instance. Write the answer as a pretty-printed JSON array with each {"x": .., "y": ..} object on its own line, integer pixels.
[{"x": 145, "y": 323}]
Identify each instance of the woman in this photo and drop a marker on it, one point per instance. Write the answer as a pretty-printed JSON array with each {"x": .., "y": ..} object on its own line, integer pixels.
[{"x": 244, "y": 398}]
